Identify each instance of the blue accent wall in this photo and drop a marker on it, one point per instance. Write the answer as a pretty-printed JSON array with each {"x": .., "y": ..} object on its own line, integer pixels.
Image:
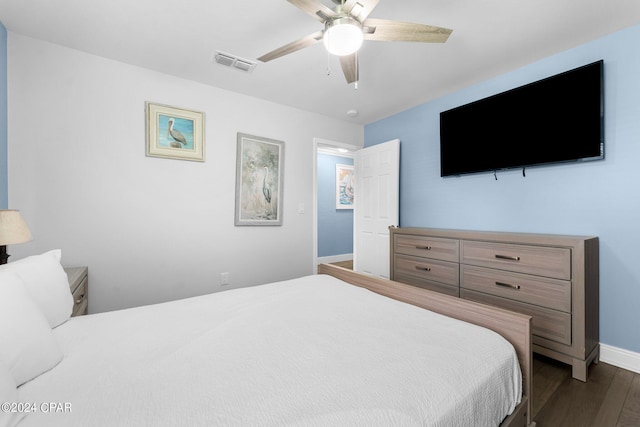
[
  {"x": 600, "y": 198},
  {"x": 3, "y": 119},
  {"x": 335, "y": 226}
]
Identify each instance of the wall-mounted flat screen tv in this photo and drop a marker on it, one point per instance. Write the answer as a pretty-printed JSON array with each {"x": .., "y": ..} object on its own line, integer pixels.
[{"x": 557, "y": 119}]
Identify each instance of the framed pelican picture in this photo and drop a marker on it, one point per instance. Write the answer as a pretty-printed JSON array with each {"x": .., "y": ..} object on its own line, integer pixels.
[
  {"x": 174, "y": 133},
  {"x": 259, "y": 180},
  {"x": 344, "y": 187}
]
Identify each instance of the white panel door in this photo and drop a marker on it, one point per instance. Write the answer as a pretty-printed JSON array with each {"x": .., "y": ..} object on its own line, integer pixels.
[{"x": 377, "y": 195}]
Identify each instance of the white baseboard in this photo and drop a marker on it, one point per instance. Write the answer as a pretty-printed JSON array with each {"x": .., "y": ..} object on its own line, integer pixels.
[
  {"x": 620, "y": 357},
  {"x": 334, "y": 258}
]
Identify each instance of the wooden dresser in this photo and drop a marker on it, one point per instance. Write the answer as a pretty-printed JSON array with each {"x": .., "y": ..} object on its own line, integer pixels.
[
  {"x": 79, "y": 285},
  {"x": 552, "y": 278}
]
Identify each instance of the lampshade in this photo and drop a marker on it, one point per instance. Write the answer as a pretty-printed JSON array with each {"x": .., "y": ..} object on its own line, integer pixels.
[
  {"x": 13, "y": 229},
  {"x": 343, "y": 36}
]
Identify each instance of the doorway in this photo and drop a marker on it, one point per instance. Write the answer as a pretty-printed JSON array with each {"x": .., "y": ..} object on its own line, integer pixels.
[
  {"x": 339, "y": 150},
  {"x": 377, "y": 173}
]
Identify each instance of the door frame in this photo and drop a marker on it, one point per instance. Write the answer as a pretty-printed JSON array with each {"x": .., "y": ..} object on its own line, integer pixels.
[{"x": 317, "y": 144}]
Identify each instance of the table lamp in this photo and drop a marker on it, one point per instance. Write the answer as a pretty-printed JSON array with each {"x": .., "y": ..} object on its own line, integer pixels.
[{"x": 13, "y": 230}]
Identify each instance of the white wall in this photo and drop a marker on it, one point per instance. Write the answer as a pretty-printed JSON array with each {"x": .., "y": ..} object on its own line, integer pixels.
[{"x": 149, "y": 229}]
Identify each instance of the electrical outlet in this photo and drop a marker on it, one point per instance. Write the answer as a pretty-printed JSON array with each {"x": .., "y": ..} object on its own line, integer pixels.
[{"x": 224, "y": 279}]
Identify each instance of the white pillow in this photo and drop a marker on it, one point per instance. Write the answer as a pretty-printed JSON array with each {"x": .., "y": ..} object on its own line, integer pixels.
[
  {"x": 47, "y": 283},
  {"x": 8, "y": 395},
  {"x": 29, "y": 347}
]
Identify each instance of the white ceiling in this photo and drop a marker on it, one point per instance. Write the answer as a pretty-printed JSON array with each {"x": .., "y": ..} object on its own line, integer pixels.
[{"x": 179, "y": 37}]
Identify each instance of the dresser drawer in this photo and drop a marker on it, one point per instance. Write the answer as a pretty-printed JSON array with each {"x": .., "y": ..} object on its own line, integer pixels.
[
  {"x": 80, "y": 299},
  {"x": 428, "y": 247},
  {"x": 541, "y": 291},
  {"x": 538, "y": 260},
  {"x": 551, "y": 324},
  {"x": 428, "y": 269},
  {"x": 429, "y": 285}
]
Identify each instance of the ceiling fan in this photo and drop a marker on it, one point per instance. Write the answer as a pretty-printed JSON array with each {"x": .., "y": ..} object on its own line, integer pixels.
[{"x": 347, "y": 25}]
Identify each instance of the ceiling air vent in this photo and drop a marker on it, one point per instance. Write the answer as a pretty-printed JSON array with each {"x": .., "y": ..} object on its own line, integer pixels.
[{"x": 233, "y": 61}]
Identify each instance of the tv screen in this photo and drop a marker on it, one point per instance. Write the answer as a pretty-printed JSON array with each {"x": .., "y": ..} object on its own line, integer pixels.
[{"x": 557, "y": 119}]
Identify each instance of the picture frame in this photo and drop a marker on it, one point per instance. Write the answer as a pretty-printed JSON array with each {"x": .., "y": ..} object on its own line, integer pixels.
[
  {"x": 174, "y": 133},
  {"x": 259, "y": 180},
  {"x": 345, "y": 186}
]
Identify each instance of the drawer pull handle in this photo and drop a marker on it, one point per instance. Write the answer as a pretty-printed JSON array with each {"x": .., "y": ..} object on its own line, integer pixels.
[
  {"x": 508, "y": 257},
  {"x": 426, "y": 248},
  {"x": 508, "y": 285},
  {"x": 80, "y": 299},
  {"x": 423, "y": 268}
]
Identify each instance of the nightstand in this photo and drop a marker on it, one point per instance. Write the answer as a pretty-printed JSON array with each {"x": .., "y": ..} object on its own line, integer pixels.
[{"x": 79, "y": 284}]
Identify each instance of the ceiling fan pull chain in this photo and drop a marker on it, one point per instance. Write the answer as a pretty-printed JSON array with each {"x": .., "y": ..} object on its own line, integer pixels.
[
  {"x": 355, "y": 84},
  {"x": 328, "y": 64}
]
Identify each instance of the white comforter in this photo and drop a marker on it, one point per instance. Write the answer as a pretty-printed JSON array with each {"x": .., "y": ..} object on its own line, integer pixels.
[{"x": 312, "y": 351}]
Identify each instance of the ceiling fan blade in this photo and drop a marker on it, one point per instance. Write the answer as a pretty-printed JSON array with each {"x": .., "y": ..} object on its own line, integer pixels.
[
  {"x": 349, "y": 65},
  {"x": 307, "y": 41},
  {"x": 314, "y": 8},
  {"x": 386, "y": 30},
  {"x": 360, "y": 9}
]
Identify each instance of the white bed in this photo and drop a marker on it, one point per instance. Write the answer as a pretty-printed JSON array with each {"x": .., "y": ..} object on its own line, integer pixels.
[{"x": 312, "y": 351}]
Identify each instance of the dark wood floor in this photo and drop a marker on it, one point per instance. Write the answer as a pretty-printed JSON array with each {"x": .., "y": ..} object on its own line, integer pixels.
[{"x": 611, "y": 397}]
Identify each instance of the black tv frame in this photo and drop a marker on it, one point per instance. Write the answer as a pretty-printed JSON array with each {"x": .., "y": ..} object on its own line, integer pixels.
[{"x": 517, "y": 111}]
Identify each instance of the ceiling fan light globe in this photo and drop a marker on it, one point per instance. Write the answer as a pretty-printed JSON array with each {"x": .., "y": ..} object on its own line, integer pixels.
[{"x": 343, "y": 37}]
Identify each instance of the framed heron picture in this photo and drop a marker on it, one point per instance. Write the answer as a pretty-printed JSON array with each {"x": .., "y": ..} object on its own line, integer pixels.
[
  {"x": 259, "y": 180},
  {"x": 344, "y": 187},
  {"x": 174, "y": 133}
]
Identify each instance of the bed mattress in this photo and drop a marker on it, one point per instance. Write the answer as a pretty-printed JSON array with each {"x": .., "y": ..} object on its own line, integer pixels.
[{"x": 313, "y": 351}]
